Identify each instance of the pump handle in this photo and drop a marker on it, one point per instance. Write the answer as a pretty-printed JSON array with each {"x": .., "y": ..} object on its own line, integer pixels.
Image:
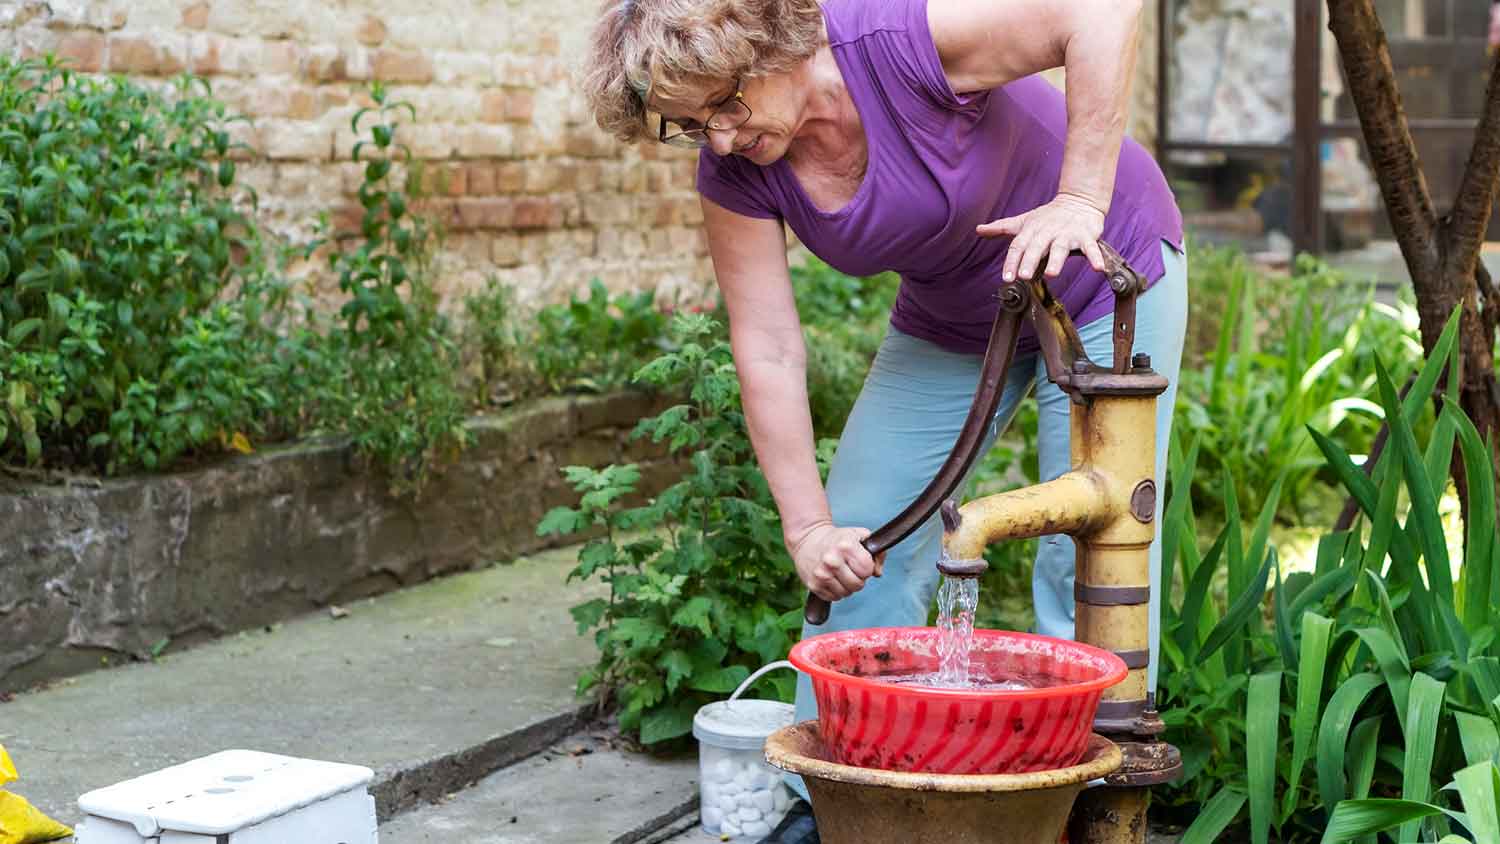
[{"x": 1018, "y": 300}]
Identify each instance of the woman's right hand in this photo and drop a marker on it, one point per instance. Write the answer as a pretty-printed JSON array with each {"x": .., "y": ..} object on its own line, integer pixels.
[{"x": 831, "y": 561}]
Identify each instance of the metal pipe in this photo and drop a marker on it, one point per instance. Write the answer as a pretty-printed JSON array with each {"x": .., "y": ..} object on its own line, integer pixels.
[{"x": 1072, "y": 503}]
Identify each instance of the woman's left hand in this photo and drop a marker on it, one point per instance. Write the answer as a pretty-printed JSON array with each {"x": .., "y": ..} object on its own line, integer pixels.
[{"x": 1066, "y": 223}]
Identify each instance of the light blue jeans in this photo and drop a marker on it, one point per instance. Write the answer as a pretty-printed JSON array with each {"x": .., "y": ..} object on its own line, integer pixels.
[{"x": 905, "y": 422}]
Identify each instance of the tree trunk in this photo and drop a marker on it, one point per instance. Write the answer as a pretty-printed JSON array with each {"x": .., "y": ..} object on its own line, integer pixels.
[{"x": 1442, "y": 254}]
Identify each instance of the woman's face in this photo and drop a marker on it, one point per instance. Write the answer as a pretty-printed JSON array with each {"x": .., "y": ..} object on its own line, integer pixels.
[{"x": 775, "y": 115}]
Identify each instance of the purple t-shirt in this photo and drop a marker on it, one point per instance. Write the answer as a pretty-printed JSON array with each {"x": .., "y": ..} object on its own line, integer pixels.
[{"x": 939, "y": 165}]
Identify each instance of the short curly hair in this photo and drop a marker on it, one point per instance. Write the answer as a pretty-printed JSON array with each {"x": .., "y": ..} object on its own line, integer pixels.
[{"x": 670, "y": 46}]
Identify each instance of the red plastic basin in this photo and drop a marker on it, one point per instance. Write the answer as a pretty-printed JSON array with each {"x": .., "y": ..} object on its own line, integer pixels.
[{"x": 871, "y": 724}]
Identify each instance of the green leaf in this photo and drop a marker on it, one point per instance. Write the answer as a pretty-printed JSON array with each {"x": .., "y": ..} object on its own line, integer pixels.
[
  {"x": 720, "y": 680},
  {"x": 1478, "y": 579},
  {"x": 1479, "y": 786},
  {"x": 1421, "y": 744},
  {"x": 1333, "y": 732},
  {"x": 588, "y": 614},
  {"x": 1313, "y": 659},
  {"x": 679, "y": 666},
  {"x": 1364, "y": 746},
  {"x": 1353, "y": 818},
  {"x": 1215, "y": 817},
  {"x": 1424, "y": 512},
  {"x": 695, "y": 614},
  {"x": 1262, "y": 728},
  {"x": 639, "y": 633},
  {"x": 1393, "y": 665},
  {"x": 1244, "y": 604},
  {"x": 562, "y": 521},
  {"x": 23, "y": 329},
  {"x": 667, "y": 721},
  {"x": 1196, "y": 595},
  {"x": 1480, "y": 738}
]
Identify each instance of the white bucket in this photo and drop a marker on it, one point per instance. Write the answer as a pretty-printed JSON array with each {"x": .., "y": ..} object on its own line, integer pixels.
[{"x": 740, "y": 794}]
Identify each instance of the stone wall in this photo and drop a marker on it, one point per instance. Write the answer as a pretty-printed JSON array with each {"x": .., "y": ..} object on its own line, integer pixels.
[
  {"x": 102, "y": 573},
  {"x": 533, "y": 195}
]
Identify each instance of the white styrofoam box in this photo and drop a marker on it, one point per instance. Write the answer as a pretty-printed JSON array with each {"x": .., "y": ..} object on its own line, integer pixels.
[{"x": 235, "y": 797}]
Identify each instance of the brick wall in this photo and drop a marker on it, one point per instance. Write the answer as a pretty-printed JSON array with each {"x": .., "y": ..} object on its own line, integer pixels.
[{"x": 531, "y": 193}]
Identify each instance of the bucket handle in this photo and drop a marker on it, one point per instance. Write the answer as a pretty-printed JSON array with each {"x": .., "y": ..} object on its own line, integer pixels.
[{"x": 770, "y": 666}]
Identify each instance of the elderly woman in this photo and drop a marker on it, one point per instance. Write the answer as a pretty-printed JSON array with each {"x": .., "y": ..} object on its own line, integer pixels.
[{"x": 905, "y": 135}]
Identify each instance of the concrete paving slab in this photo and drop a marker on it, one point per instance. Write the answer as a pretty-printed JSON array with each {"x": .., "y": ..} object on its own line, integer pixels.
[
  {"x": 434, "y": 687},
  {"x": 582, "y": 791},
  {"x": 693, "y": 833}
]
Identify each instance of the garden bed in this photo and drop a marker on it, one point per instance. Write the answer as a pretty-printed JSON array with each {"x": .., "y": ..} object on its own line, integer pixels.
[{"x": 123, "y": 568}]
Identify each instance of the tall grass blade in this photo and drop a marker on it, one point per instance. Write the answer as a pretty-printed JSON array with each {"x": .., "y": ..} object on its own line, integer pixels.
[
  {"x": 1480, "y": 738},
  {"x": 1333, "y": 733},
  {"x": 1262, "y": 727},
  {"x": 1215, "y": 817},
  {"x": 1424, "y": 511},
  {"x": 1193, "y": 600},
  {"x": 1247, "y": 602},
  {"x": 1313, "y": 659},
  {"x": 1364, "y": 741},
  {"x": 1421, "y": 744},
  {"x": 1479, "y": 786},
  {"x": 1478, "y": 573},
  {"x": 1354, "y": 818},
  {"x": 1393, "y": 666},
  {"x": 1175, "y": 521}
]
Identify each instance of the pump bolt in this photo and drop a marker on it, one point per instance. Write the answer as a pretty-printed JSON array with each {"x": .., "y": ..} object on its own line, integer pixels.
[{"x": 1141, "y": 361}]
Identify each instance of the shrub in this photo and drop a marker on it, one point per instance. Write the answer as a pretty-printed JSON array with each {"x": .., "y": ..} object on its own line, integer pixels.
[
  {"x": 131, "y": 282},
  {"x": 701, "y": 589},
  {"x": 396, "y": 388}
]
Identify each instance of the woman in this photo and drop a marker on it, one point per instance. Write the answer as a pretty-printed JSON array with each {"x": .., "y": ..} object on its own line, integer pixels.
[{"x": 906, "y": 135}]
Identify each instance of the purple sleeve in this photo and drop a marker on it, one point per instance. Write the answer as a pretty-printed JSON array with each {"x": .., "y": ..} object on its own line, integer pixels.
[{"x": 721, "y": 181}]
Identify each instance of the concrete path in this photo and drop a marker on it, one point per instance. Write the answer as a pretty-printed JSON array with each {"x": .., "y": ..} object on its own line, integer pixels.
[
  {"x": 584, "y": 790},
  {"x": 434, "y": 687}
]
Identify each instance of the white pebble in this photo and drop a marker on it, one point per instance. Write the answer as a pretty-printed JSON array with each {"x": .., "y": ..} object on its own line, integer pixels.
[
  {"x": 782, "y": 798},
  {"x": 723, "y": 770},
  {"x": 746, "y": 779},
  {"x": 747, "y": 814},
  {"x": 728, "y": 804},
  {"x": 765, "y": 802},
  {"x": 757, "y": 828},
  {"x": 712, "y": 817},
  {"x": 730, "y": 828},
  {"x": 764, "y": 778},
  {"x": 745, "y": 799},
  {"x": 730, "y": 788}
]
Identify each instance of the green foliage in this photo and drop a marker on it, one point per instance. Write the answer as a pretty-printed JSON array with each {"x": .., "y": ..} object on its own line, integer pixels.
[
  {"x": 1372, "y": 677},
  {"x": 597, "y": 343},
  {"x": 844, "y": 321},
  {"x": 1289, "y": 353},
  {"x": 131, "y": 280},
  {"x": 395, "y": 387},
  {"x": 701, "y": 590}
]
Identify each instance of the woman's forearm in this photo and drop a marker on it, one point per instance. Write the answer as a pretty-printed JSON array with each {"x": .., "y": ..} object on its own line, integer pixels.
[
  {"x": 774, "y": 397},
  {"x": 1100, "y": 61}
]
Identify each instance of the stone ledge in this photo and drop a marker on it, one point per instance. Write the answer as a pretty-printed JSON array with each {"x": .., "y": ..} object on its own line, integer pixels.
[{"x": 93, "y": 574}]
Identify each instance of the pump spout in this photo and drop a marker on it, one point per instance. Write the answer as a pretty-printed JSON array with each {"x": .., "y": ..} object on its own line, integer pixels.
[{"x": 1074, "y": 503}]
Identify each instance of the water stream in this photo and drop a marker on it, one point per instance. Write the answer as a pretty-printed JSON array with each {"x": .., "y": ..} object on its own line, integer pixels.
[{"x": 958, "y": 597}]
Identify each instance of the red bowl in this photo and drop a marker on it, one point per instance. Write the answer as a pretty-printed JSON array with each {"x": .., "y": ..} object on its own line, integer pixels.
[{"x": 872, "y": 724}]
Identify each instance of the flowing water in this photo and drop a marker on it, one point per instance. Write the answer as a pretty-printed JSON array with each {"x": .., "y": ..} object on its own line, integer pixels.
[{"x": 957, "y": 599}]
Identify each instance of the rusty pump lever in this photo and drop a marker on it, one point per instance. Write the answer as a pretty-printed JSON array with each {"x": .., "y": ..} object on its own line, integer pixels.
[{"x": 1067, "y": 366}]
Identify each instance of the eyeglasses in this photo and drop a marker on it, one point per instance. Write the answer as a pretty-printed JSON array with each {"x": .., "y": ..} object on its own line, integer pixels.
[{"x": 729, "y": 114}]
